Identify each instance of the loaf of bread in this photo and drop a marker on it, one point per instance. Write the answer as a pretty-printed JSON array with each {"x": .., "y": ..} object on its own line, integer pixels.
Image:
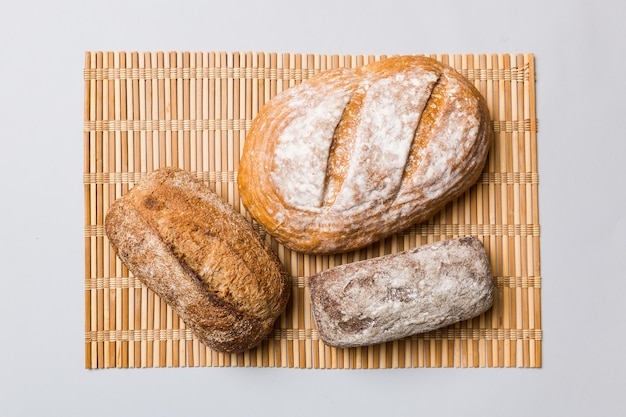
[
  {"x": 395, "y": 296},
  {"x": 200, "y": 256},
  {"x": 351, "y": 156}
]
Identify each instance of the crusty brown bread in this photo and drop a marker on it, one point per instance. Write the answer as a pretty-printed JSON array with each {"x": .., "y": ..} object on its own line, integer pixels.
[
  {"x": 395, "y": 296},
  {"x": 351, "y": 156},
  {"x": 202, "y": 257}
]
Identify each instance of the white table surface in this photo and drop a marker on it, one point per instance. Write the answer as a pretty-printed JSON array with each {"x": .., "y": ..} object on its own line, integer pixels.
[{"x": 580, "y": 52}]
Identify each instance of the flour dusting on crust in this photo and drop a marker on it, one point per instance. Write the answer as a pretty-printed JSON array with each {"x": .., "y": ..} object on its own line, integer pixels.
[
  {"x": 301, "y": 152},
  {"x": 353, "y": 155},
  {"x": 388, "y": 118}
]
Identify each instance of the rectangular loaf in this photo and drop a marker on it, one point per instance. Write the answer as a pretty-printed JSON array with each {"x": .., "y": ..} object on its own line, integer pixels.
[{"x": 395, "y": 296}]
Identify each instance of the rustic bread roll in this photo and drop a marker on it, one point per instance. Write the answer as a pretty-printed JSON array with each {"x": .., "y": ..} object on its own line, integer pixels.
[
  {"x": 351, "y": 156},
  {"x": 395, "y": 296},
  {"x": 200, "y": 256}
]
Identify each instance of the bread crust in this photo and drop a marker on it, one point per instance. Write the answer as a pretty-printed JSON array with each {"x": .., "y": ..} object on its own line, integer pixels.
[
  {"x": 351, "y": 156},
  {"x": 200, "y": 256},
  {"x": 400, "y": 295}
]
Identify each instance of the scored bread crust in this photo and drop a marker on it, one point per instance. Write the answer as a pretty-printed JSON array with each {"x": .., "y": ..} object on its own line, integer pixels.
[
  {"x": 351, "y": 156},
  {"x": 200, "y": 256}
]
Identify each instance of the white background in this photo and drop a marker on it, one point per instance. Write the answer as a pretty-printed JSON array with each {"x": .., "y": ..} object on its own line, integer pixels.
[{"x": 581, "y": 89}]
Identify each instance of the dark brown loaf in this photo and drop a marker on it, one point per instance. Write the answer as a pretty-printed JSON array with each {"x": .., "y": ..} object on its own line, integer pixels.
[
  {"x": 353, "y": 155},
  {"x": 200, "y": 256},
  {"x": 395, "y": 296}
]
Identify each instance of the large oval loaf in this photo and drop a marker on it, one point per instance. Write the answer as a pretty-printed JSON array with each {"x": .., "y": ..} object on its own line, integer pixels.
[
  {"x": 351, "y": 156},
  {"x": 202, "y": 257},
  {"x": 395, "y": 296}
]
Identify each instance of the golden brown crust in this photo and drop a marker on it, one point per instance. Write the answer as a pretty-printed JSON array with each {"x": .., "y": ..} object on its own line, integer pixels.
[
  {"x": 201, "y": 257},
  {"x": 353, "y": 155}
]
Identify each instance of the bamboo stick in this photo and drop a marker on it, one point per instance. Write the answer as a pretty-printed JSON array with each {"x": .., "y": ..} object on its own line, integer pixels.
[
  {"x": 532, "y": 156},
  {"x": 89, "y": 157},
  {"x": 109, "y": 96},
  {"x": 476, "y": 353},
  {"x": 231, "y": 102},
  {"x": 519, "y": 230},
  {"x": 171, "y": 98},
  {"x": 131, "y": 163},
  {"x": 238, "y": 107},
  {"x": 519, "y": 215},
  {"x": 494, "y": 194},
  {"x": 98, "y": 214},
  {"x": 185, "y": 109},
  {"x": 528, "y": 266},
  {"x": 505, "y": 161},
  {"x": 142, "y": 149},
  {"x": 525, "y": 209},
  {"x": 104, "y": 201},
  {"x": 482, "y": 347},
  {"x": 152, "y": 113},
  {"x": 160, "y": 104}
]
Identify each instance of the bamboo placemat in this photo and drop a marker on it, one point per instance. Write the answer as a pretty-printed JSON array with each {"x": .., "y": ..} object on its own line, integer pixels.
[{"x": 192, "y": 110}]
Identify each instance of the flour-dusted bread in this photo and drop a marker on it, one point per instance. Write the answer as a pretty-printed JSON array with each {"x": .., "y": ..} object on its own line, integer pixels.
[
  {"x": 202, "y": 257},
  {"x": 351, "y": 156},
  {"x": 395, "y": 296}
]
